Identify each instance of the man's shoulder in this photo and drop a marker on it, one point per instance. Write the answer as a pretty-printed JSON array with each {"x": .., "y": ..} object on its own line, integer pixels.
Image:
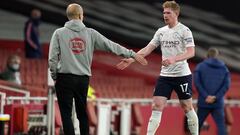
[
  {"x": 60, "y": 30},
  {"x": 90, "y": 29},
  {"x": 183, "y": 27},
  {"x": 162, "y": 29}
]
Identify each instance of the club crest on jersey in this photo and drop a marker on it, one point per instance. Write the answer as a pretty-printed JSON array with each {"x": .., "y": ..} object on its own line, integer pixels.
[
  {"x": 77, "y": 45},
  {"x": 177, "y": 36}
]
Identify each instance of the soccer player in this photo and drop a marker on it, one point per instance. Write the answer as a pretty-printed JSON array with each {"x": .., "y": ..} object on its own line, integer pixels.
[{"x": 177, "y": 45}]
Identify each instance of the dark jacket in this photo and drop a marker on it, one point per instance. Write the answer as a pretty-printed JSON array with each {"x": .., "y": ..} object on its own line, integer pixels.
[
  {"x": 211, "y": 77},
  {"x": 31, "y": 39},
  {"x": 11, "y": 76}
]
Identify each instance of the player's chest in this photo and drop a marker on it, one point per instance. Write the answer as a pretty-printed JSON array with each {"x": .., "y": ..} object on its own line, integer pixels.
[
  {"x": 171, "y": 39},
  {"x": 171, "y": 35}
]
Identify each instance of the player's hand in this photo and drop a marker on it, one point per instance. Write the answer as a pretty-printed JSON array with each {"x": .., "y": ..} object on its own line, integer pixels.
[
  {"x": 139, "y": 58},
  {"x": 125, "y": 63},
  {"x": 168, "y": 61}
]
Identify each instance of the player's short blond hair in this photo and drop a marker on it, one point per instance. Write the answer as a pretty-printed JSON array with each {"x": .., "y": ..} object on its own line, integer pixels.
[{"x": 173, "y": 5}]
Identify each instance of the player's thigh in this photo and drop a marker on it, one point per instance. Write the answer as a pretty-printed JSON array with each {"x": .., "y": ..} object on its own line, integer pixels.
[
  {"x": 163, "y": 87},
  {"x": 183, "y": 87}
]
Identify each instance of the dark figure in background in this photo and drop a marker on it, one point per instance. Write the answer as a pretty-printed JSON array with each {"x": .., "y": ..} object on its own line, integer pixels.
[
  {"x": 212, "y": 80},
  {"x": 12, "y": 71},
  {"x": 31, "y": 35}
]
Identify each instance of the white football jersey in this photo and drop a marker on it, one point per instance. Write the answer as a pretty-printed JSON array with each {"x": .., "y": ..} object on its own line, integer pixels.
[{"x": 174, "y": 41}]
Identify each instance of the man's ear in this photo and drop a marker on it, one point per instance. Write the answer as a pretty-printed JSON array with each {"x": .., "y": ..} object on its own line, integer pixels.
[{"x": 81, "y": 17}]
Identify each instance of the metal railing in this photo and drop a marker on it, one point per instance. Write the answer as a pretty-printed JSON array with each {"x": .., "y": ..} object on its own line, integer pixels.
[
  {"x": 3, "y": 95},
  {"x": 2, "y": 103},
  {"x": 25, "y": 100},
  {"x": 22, "y": 91},
  {"x": 26, "y": 93}
]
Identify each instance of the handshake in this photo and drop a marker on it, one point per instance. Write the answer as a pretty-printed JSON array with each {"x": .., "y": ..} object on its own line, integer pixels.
[{"x": 127, "y": 61}]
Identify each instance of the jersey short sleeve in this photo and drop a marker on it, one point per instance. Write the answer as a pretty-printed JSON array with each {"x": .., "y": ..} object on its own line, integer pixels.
[
  {"x": 188, "y": 38},
  {"x": 156, "y": 40}
]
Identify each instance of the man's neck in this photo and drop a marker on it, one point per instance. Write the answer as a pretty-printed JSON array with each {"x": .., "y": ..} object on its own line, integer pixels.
[{"x": 173, "y": 24}]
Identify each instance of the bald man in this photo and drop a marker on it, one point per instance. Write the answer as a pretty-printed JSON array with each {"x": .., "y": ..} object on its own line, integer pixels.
[{"x": 70, "y": 58}]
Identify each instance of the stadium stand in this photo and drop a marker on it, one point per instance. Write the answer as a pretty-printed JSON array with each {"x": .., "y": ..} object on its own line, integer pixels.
[{"x": 117, "y": 22}]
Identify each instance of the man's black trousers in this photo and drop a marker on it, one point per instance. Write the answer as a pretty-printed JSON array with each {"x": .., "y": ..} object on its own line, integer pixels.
[{"x": 69, "y": 86}]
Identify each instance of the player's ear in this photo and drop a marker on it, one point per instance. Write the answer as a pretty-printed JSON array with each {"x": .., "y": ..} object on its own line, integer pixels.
[{"x": 81, "y": 17}]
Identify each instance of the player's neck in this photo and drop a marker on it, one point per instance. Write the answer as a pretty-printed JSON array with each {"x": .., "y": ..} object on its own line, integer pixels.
[{"x": 173, "y": 24}]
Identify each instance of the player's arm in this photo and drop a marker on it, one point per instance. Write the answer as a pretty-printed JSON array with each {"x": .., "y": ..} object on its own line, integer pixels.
[
  {"x": 143, "y": 52},
  {"x": 190, "y": 52},
  {"x": 187, "y": 55},
  {"x": 102, "y": 43},
  {"x": 147, "y": 50}
]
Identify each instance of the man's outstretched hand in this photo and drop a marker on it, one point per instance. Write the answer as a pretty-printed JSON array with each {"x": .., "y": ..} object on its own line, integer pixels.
[
  {"x": 127, "y": 61},
  {"x": 139, "y": 58}
]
